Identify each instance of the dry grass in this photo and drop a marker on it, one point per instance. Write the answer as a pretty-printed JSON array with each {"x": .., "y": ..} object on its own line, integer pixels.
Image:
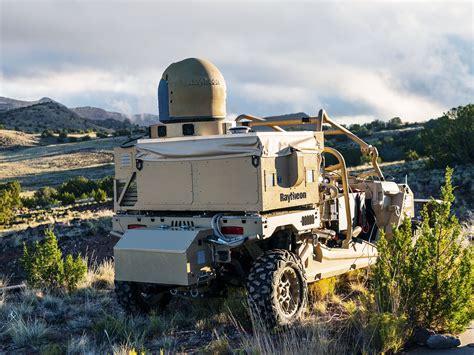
[
  {"x": 50, "y": 165},
  {"x": 9, "y": 138},
  {"x": 99, "y": 276},
  {"x": 339, "y": 323}
]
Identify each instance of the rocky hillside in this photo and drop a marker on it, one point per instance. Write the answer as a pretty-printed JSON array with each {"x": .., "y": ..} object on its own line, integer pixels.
[
  {"x": 7, "y": 104},
  {"x": 99, "y": 114},
  {"x": 47, "y": 115},
  {"x": 36, "y": 116}
]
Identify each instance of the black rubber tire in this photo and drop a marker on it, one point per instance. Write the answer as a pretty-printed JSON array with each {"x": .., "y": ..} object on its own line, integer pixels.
[
  {"x": 263, "y": 287},
  {"x": 129, "y": 296}
]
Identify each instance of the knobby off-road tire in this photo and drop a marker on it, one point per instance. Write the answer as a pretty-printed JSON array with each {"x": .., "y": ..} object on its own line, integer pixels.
[
  {"x": 277, "y": 288},
  {"x": 132, "y": 299}
]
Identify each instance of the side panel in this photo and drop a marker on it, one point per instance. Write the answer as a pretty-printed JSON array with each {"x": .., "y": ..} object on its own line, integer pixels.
[
  {"x": 226, "y": 182},
  {"x": 164, "y": 183},
  {"x": 281, "y": 187}
]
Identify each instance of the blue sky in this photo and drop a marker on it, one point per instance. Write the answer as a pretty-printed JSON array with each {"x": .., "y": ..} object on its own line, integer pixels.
[{"x": 358, "y": 60}]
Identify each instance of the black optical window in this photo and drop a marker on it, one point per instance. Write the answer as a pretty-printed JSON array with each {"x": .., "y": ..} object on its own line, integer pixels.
[
  {"x": 188, "y": 129},
  {"x": 161, "y": 131}
]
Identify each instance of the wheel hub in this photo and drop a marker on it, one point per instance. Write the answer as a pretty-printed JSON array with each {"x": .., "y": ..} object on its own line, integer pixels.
[{"x": 288, "y": 291}]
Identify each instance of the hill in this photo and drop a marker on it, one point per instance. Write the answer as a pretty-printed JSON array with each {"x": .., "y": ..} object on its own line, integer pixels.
[
  {"x": 47, "y": 115},
  {"x": 35, "y": 116},
  {"x": 98, "y": 114},
  {"x": 7, "y": 104}
]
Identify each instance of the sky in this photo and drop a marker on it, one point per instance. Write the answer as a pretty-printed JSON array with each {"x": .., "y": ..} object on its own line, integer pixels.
[{"x": 357, "y": 60}]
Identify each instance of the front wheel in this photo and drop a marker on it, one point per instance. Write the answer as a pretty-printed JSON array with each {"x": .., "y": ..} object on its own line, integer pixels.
[{"x": 277, "y": 288}]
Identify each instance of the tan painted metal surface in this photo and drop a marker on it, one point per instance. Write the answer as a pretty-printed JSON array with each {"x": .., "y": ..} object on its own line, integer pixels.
[
  {"x": 172, "y": 256},
  {"x": 196, "y": 89}
]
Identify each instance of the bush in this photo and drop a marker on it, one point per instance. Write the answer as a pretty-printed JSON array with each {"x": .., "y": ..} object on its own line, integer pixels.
[
  {"x": 9, "y": 201},
  {"x": 78, "y": 186},
  {"x": 122, "y": 132},
  {"x": 86, "y": 138},
  {"x": 66, "y": 198},
  {"x": 411, "y": 155},
  {"x": 107, "y": 184},
  {"x": 430, "y": 280},
  {"x": 47, "y": 133},
  {"x": 45, "y": 197},
  {"x": 99, "y": 195},
  {"x": 72, "y": 139},
  {"x": 63, "y": 134},
  {"x": 45, "y": 268},
  {"x": 102, "y": 134}
]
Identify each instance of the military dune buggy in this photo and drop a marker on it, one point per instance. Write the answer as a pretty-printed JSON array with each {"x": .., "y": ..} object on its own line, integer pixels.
[{"x": 203, "y": 202}]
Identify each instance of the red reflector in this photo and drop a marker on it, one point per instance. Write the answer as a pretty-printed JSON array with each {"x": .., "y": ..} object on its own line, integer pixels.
[
  {"x": 136, "y": 226},
  {"x": 232, "y": 230}
]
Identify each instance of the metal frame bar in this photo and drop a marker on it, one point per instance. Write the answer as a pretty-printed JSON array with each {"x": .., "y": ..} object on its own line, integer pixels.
[{"x": 338, "y": 129}]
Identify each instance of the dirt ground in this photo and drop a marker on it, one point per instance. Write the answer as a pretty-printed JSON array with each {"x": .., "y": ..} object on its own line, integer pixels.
[
  {"x": 39, "y": 166},
  {"x": 81, "y": 230}
]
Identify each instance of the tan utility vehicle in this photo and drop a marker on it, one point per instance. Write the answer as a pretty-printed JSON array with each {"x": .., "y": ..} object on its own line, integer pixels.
[{"x": 203, "y": 203}]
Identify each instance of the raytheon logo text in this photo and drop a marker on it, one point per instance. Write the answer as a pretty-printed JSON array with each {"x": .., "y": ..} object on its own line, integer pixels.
[{"x": 292, "y": 196}]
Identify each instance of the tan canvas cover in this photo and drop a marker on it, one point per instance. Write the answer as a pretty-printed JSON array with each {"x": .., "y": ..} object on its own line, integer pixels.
[{"x": 266, "y": 144}]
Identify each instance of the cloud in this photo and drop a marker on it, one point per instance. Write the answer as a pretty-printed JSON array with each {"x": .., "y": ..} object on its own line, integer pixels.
[{"x": 381, "y": 60}]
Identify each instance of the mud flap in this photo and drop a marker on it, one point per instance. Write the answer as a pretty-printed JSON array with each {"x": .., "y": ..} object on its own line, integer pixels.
[{"x": 171, "y": 256}]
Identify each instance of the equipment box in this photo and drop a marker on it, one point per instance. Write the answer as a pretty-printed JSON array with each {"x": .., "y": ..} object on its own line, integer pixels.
[{"x": 235, "y": 172}]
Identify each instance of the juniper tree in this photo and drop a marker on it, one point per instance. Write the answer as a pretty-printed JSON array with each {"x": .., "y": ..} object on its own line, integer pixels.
[
  {"x": 45, "y": 268},
  {"x": 427, "y": 273}
]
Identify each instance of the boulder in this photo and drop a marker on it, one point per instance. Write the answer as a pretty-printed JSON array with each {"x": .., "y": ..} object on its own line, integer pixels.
[
  {"x": 438, "y": 341},
  {"x": 421, "y": 335}
]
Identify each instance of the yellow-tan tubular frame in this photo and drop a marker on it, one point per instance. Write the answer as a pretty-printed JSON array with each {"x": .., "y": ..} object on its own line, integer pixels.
[{"x": 338, "y": 129}]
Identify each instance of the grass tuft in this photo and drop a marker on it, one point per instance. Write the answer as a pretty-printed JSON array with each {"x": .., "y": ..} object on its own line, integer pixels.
[{"x": 31, "y": 332}]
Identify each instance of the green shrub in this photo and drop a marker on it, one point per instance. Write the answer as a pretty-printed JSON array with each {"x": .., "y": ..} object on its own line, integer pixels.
[
  {"x": 388, "y": 332},
  {"x": 122, "y": 132},
  {"x": 63, "y": 134},
  {"x": 45, "y": 197},
  {"x": 45, "y": 268},
  {"x": 79, "y": 186},
  {"x": 9, "y": 201},
  {"x": 86, "y": 138},
  {"x": 47, "y": 133},
  {"x": 72, "y": 139},
  {"x": 99, "y": 195},
  {"x": 66, "y": 198},
  {"x": 102, "y": 134},
  {"x": 107, "y": 184},
  {"x": 74, "y": 271},
  {"x": 28, "y": 202},
  {"x": 429, "y": 280},
  {"x": 411, "y": 155}
]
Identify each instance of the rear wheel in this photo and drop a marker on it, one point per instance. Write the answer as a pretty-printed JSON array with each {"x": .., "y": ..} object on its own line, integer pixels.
[
  {"x": 136, "y": 297},
  {"x": 277, "y": 288}
]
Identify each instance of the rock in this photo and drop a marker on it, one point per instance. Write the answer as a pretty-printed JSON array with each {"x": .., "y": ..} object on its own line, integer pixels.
[
  {"x": 438, "y": 341},
  {"x": 421, "y": 335}
]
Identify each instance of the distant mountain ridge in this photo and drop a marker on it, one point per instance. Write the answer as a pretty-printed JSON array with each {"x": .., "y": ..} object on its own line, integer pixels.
[
  {"x": 46, "y": 115},
  {"x": 98, "y": 114},
  {"x": 36, "y": 116},
  {"x": 7, "y": 104}
]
